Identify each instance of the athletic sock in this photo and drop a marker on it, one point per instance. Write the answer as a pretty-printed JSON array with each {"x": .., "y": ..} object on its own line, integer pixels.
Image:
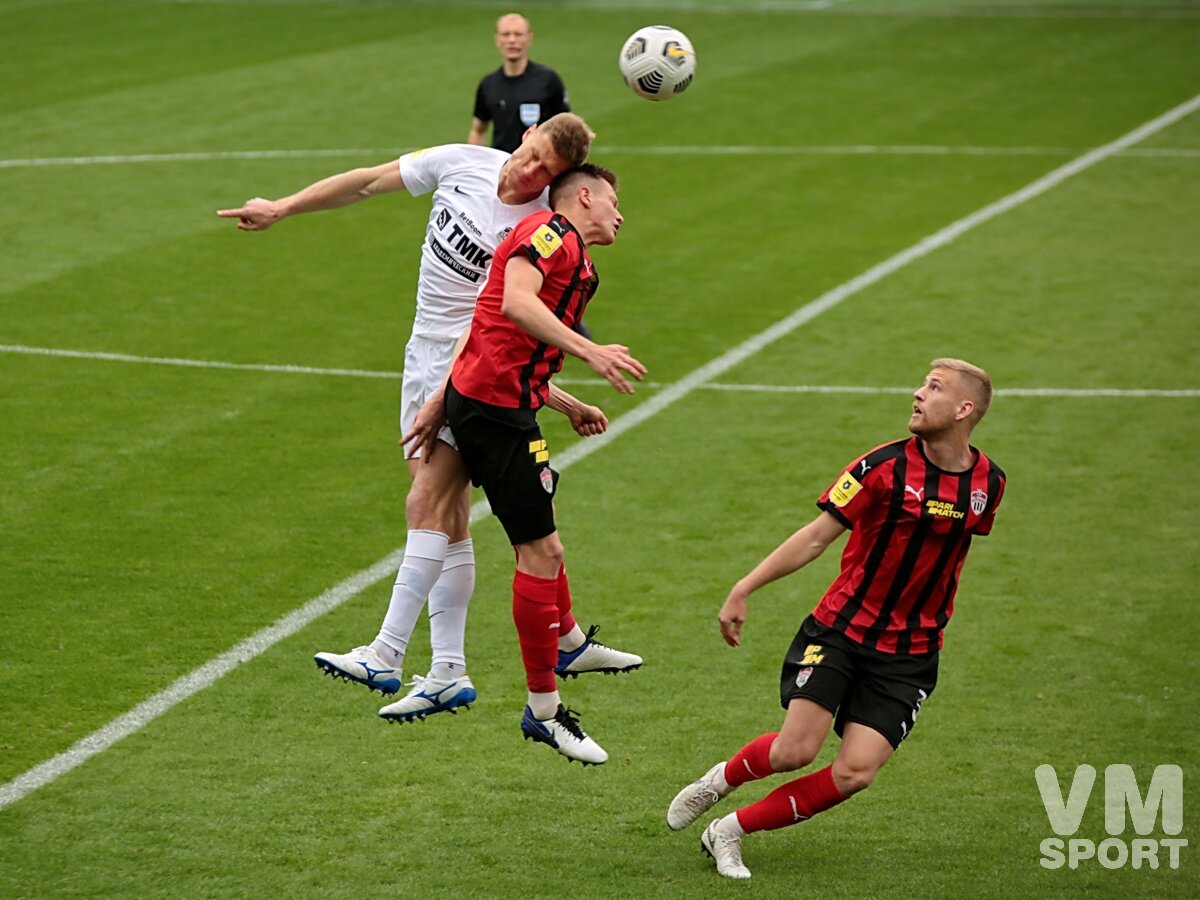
[
  {"x": 730, "y": 825},
  {"x": 535, "y": 612},
  {"x": 424, "y": 554},
  {"x": 544, "y": 706},
  {"x": 795, "y": 802},
  {"x": 448, "y": 602},
  {"x": 570, "y": 635},
  {"x": 752, "y": 762}
]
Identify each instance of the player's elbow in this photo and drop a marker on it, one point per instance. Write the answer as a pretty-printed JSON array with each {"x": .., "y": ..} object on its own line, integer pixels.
[{"x": 512, "y": 308}]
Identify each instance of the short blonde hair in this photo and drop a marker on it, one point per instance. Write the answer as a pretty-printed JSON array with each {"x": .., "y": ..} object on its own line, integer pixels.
[
  {"x": 569, "y": 136},
  {"x": 978, "y": 380}
]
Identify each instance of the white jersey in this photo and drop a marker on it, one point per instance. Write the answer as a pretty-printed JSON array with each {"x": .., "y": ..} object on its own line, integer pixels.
[{"x": 466, "y": 224}]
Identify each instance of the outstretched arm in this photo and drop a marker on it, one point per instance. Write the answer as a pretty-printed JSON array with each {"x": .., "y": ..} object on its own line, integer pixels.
[
  {"x": 522, "y": 281},
  {"x": 328, "y": 193},
  {"x": 792, "y": 555}
]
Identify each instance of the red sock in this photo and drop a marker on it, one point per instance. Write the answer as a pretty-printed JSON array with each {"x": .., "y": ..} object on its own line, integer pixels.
[
  {"x": 752, "y": 762},
  {"x": 794, "y": 802},
  {"x": 566, "y": 620},
  {"x": 535, "y": 612}
]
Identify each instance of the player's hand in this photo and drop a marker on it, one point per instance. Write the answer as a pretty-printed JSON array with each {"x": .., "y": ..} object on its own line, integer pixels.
[
  {"x": 256, "y": 215},
  {"x": 610, "y": 360},
  {"x": 424, "y": 434},
  {"x": 588, "y": 420},
  {"x": 732, "y": 617}
]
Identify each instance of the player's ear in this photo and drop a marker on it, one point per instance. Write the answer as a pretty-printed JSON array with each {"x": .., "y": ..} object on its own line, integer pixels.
[
  {"x": 965, "y": 408},
  {"x": 585, "y": 196}
]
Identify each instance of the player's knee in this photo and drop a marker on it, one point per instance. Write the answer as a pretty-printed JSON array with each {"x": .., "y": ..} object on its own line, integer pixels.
[
  {"x": 852, "y": 776},
  {"x": 787, "y": 755},
  {"x": 543, "y": 557},
  {"x": 417, "y": 506},
  {"x": 551, "y": 549}
]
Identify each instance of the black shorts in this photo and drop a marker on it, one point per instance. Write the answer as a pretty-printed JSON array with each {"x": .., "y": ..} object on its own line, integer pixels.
[
  {"x": 506, "y": 455},
  {"x": 882, "y": 691}
]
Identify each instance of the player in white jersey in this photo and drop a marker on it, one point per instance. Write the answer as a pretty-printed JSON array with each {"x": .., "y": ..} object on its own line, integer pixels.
[{"x": 478, "y": 195}]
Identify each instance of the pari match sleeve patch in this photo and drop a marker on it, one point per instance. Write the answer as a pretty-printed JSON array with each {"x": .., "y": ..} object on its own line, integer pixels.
[
  {"x": 546, "y": 241},
  {"x": 844, "y": 489}
]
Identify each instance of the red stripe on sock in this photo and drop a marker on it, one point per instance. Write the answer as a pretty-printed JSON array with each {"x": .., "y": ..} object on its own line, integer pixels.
[
  {"x": 752, "y": 762},
  {"x": 566, "y": 620},
  {"x": 795, "y": 802},
  {"x": 535, "y": 612}
]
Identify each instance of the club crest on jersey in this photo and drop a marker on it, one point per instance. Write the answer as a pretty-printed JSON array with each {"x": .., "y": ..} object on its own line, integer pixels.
[
  {"x": 547, "y": 480},
  {"x": 545, "y": 241},
  {"x": 978, "y": 502},
  {"x": 503, "y": 233},
  {"x": 803, "y": 675},
  {"x": 844, "y": 489}
]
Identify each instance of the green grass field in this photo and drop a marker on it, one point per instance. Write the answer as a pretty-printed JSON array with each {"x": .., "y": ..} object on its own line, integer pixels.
[{"x": 153, "y": 516}]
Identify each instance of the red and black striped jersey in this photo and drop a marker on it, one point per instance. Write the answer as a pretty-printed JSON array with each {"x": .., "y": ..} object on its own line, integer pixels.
[
  {"x": 501, "y": 363},
  {"x": 911, "y": 527}
]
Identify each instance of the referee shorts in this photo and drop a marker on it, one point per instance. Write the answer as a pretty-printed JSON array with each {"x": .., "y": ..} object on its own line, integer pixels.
[
  {"x": 879, "y": 690},
  {"x": 506, "y": 455}
]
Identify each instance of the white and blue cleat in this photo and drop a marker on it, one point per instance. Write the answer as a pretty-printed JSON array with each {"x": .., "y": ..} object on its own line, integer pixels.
[
  {"x": 430, "y": 696},
  {"x": 362, "y": 665},
  {"x": 563, "y": 734},
  {"x": 594, "y": 656}
]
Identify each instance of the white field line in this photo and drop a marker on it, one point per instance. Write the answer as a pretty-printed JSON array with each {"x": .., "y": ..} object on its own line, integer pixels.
[
  {"x": 682, "y": 150},
  {"x": 206, "y": 675},
  {"x": 588, "y": 382},
  {"x": 194, "y": 363},
  {"x": 741, "y": 7}
]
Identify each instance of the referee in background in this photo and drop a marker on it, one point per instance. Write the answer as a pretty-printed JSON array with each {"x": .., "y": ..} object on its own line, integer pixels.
[{"x": 518, "y": 94}]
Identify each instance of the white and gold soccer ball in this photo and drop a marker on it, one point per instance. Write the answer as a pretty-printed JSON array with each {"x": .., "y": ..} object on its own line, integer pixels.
[{"x": 658, "y": 62}]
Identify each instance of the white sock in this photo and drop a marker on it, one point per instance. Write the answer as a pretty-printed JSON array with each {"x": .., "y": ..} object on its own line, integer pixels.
[
  {"x": 448, "y": 602},
  {"x": 572, "y": 640},
  {"x": 544, "y": 706},
  {"x": 731, "y": 825},
  {"x": 424, "y": 554},
  {"x": 720, "y": 785}
]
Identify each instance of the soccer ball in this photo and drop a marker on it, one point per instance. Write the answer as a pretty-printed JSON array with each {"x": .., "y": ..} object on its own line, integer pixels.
[{"x": 658, "y": 62}]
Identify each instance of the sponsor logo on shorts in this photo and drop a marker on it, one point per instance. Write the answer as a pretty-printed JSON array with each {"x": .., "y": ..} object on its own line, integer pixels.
[
  {"x": 539, "y": 451},
  {"x": 844, "y": 489},
  {"x": 814, "y": 655}
]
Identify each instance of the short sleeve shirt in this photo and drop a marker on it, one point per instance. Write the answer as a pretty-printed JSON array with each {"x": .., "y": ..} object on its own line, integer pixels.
[
  {"x": 502, "y": 364},
  {"x": 911, "y": 527},
  {"x": 513, "y": 104},
  {"x": 467, "y": 221}
]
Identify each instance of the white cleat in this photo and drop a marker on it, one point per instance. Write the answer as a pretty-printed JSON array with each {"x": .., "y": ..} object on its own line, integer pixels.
[
  {"x": 429, "y": 696},
  {"x": 694, "y": 800},
  {"x": 363, "y": 666},
  {"x": 594, "y": 656},
  {"x": 725, "y": 850},
  {"x": 564, "y": 735}
]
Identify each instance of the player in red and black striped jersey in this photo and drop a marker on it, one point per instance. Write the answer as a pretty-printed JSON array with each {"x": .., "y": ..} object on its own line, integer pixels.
[
  {"x": 866, "y": 659},
  {"x": 540, "y": 281}
]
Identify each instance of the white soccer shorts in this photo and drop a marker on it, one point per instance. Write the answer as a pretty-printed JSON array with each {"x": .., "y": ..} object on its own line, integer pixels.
[{"x": 426, "y": 364}]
